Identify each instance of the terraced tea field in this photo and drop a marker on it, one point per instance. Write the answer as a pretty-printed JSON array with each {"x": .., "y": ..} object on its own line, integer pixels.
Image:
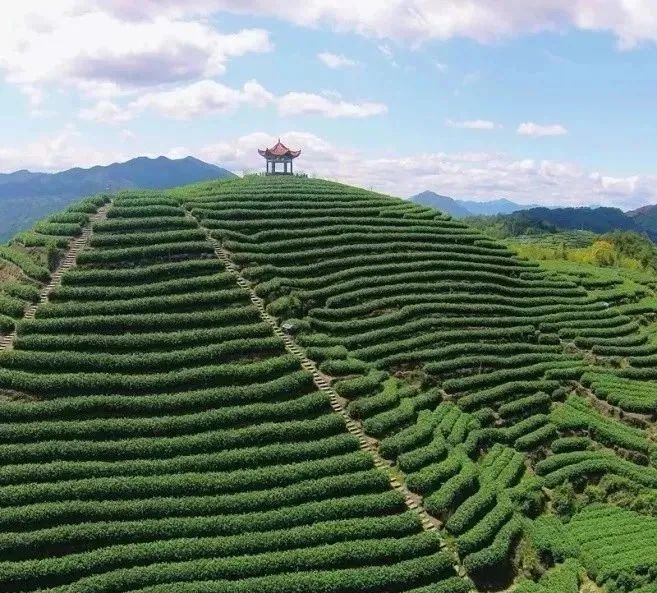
[{"x": 292, "y": 385}]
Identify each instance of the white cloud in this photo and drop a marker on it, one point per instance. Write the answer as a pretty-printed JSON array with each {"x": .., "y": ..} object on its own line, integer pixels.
[
  {"x": 128, "y": 134},
  {"x": 336, "y": 61},
  {"x": 201, "y": 98},
  {"x": 105, "y": 111},
  {"x": 207, "y": 97},
  {"x": 63, "y": 149},
  {"x": 70, "y": 42},
  {"x": 534, "y": 129},
  {"x": 472, "y": 77},
  {"x": 473, "y": 124},
  {"x": 414, "y": 21},
  {"x": 442, "y": 68},
  {"x": 308, "y": 103}
]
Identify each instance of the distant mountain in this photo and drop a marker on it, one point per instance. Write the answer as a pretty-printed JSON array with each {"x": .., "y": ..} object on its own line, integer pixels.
[
  {"x": 26, "y": 197},
  {"x": 493, "y": 207},
  {"x": 443, "y": 203},
  {"x": 598, "y": 220},
  {"x": 464, "y": 208},
  {"x": 645, "y": 217}
]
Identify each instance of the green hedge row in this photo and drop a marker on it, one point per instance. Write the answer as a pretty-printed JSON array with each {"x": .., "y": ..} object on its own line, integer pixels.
[
  {"x": 11, "y": 307},
  {"x": 454, "y": 491},
  {"x": 472, "y": 510},
  {"x": 349, "y": 554},
  {"x": 59, "y": 229},
  {"x": 7, "y": 324},
  {"x": 383, "y": 350},
  {"x": 414, "y": 460},
  {"x": 144, "y": 211},
  {"x": 360, "y": 386},
  {"x": 127, "y": 343},
  {"x": 577, "y": 414},
  {"x": 139, "y": 225},
  {"x": 529, "y": 405},
  {"x": 80, "y": 218},
  {"x": 485, "y": 531},
  {"x": 245, "y": 458},
  {"x": 129, "y": 255},
  {"x": 308, "y": 406},
  {"x": 200, "y": 483},
  {"x": 153, "y": 238},
  {"x": 487, "y": 380},
  {"x": 343, "y": 366},
  {"x": 217, "y": 440},
  {"x": 166, "y": 287},
  {"x": 431, "y": 477},
  {"x": 500, "y": 393},
  {"x": 32, "y": 239},
  {"x": 498, "y": 554},
  {"x": 50, "y": 571},
  {"x": 131, "y": 528},
  {"x": 153, "y": 304},
  {"x": 143, "y": 274},
  {"x": 51, "y": 515},
  {"x": 52, "y": 385},
  {"x": 385, "y": 422},
  {"x": 25, "y": 263},
  {"x": 144, "y": 322},
  {"x": 280, "y": 388}
]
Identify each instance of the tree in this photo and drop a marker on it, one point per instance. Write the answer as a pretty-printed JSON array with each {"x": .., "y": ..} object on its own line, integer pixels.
[{"x": 564, "y": 501}]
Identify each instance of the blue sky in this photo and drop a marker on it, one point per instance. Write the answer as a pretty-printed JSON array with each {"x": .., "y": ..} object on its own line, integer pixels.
[{"x": 546, "y": 101}]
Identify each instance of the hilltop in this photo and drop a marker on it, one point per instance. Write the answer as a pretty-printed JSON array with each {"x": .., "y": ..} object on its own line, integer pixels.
[
  {"x": 26, "y": 196},
  {"x": 288, "y": 384}
]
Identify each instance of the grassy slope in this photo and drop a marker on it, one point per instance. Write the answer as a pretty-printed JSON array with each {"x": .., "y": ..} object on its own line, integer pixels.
[{"x": 173, "y": 440}]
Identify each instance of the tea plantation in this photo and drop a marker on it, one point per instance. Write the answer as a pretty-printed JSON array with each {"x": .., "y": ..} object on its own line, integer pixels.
[{"x": 283, "y": 384}]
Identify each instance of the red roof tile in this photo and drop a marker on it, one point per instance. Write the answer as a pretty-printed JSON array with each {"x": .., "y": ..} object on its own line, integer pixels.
[{"x": 279, "y": 150}]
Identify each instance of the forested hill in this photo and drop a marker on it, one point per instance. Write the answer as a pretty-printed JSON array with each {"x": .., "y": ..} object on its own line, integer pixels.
[
  {"x": 597, "y": 220},
  {"x": 287, "y": 384},
  {"x": 463, "y": 208},
  {"x": 26, "y": 197},
  {"x": 646, "y": 218}
]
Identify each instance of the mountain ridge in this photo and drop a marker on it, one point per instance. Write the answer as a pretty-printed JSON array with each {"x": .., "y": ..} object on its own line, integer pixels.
[{"x": 464, "y": 208}]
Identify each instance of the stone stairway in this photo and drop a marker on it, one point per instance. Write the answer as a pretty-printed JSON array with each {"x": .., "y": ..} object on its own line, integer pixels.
[{"x": 70, "y": 257}]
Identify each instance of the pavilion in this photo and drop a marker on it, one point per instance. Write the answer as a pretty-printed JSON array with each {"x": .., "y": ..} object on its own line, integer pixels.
[{"x": 277, "y": 154}]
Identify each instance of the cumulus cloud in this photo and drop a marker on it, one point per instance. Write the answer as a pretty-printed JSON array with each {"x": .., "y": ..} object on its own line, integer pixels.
[
  {"x": 533, "y": 129},
  {"x": 70, "y": 42},
  {"x": 309, "y": 103},
  {"x": 336, "y": 61},
  {"x": 201, "y": 98},
  {"x": 207, "y": 97},
  {"x": 472, "y": 124},
  {"x": 105, "y": 111},
  {"x": 630, "y": 21},
  {"x": 63, "y": 149}
]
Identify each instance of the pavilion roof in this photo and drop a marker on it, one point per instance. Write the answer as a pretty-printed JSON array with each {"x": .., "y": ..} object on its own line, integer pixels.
[{"x": 279, "y": 150}]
